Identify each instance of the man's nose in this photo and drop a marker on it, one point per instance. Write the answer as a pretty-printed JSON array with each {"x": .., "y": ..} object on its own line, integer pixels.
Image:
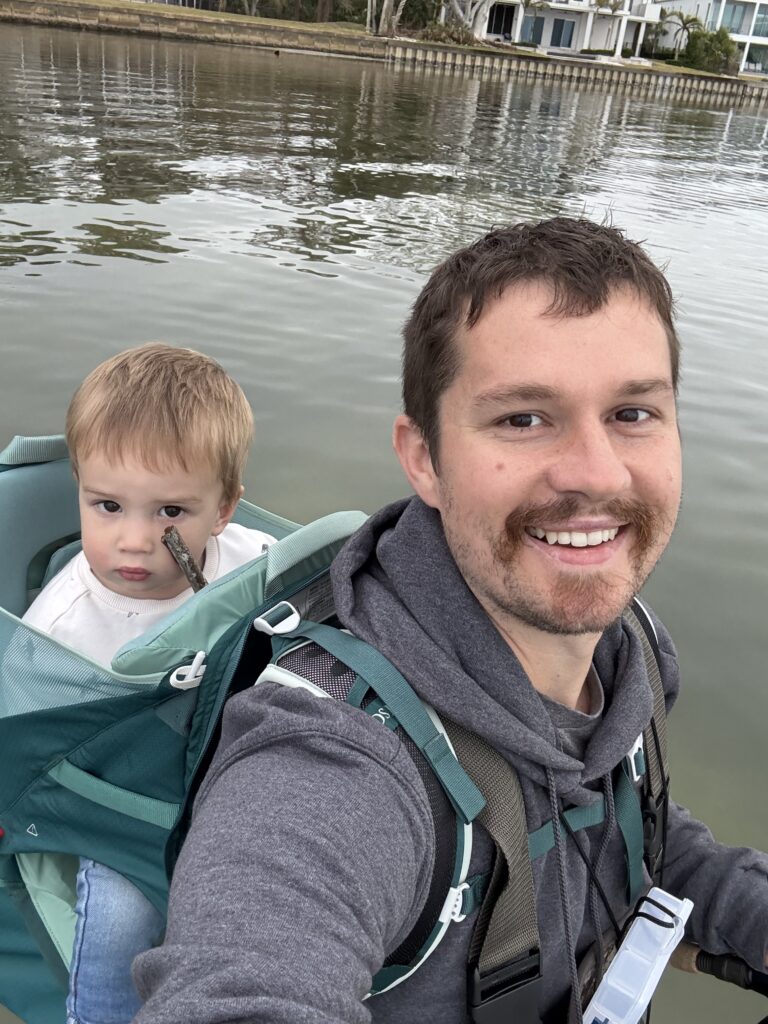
[{"x": 591, "y": 462}]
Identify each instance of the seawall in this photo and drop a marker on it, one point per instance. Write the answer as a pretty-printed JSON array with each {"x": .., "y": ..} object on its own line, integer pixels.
[{"x": 170, "y": 21}]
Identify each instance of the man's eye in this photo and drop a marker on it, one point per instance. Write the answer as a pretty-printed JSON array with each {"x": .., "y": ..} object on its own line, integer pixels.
[
  {"x": 632, "y": 415},
  {"x": 523, "y": 420},
  {"x": 171, "y": 511},
  {"x": 108, "y": 506}
]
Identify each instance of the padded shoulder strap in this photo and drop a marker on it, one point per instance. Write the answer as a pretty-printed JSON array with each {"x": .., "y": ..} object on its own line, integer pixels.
[
  {"x": 656, "y": 794},
  {"x": 656, "y": 747}
]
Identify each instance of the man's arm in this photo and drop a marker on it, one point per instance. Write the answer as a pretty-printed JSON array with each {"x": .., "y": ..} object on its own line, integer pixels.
[
  {"x": 728, "y": 885},
  {"x": 309, "y": 857}
]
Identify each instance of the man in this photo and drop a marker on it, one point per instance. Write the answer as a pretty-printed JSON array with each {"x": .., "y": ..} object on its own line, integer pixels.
[{"x": 540, "y": 436}]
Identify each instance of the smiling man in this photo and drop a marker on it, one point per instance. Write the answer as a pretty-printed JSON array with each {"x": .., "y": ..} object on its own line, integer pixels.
[{"x": 540, "y": 436}]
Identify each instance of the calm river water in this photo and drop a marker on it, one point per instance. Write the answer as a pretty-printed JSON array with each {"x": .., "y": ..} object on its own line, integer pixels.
[{"x": 281, "y": 212}]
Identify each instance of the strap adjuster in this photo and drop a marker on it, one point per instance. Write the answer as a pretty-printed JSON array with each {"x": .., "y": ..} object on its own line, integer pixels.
[
  {"x": 453, "y": 908},
  {"x": 653, "y": 833},
  {"x": 278, "y": 620},
  {"x": 636, "y": 760},
  {"x": 509, "y": 993}
]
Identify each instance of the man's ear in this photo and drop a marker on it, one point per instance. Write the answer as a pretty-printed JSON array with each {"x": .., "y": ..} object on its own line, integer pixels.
[
  {"x": 413, "y": 453},
  {"x": 226, "y": 511}
]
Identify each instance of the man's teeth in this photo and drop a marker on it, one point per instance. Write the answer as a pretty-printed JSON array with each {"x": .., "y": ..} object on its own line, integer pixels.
[{"x": 574, "y": 538}]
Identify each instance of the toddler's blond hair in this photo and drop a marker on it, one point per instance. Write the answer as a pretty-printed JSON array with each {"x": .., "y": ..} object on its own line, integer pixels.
[{"x": 163, "y": 406}]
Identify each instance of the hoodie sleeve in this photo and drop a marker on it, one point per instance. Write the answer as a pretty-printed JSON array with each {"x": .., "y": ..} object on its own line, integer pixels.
[
  {"x": 289, "y": 892},
  {"x": 728, "y": 885}
]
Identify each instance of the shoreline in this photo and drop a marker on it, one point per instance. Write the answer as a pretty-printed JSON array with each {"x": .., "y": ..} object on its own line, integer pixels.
[{"x": 172, "y": 22}]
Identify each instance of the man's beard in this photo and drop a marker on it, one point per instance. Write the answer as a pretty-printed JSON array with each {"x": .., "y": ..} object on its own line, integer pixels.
[{"x": 578, "y": 602}]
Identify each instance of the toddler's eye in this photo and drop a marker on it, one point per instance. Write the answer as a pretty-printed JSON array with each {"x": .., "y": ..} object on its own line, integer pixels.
[
  {"x": 171, "y": 511},
  {"x": 108, "y": 506}
]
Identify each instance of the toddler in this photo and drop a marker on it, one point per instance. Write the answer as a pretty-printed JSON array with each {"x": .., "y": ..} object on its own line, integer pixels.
[{"x": 158, "y": 436}]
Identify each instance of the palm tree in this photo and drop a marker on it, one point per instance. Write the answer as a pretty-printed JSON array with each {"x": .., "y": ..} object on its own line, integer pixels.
[{"x": 686, "y": 23}]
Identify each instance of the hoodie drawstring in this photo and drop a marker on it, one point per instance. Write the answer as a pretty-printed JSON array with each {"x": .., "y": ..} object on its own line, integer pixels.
[
  {"x": 554, "y": 803},
  {"x": 594, "y": 900}
]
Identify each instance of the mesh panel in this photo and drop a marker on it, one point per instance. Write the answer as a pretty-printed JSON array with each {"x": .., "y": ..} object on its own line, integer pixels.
[
  {"x": 36, "y": 673},
  {"x": 444, "y": 820},
  {"x": 321, "y": 668}
]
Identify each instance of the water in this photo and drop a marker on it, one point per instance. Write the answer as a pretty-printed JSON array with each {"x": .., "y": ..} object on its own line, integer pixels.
[{"x": 281, "y": 214}]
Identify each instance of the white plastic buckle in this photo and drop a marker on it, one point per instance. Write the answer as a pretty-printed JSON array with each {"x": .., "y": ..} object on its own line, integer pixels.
[
  {"x": 187, "y": 677},
  {"x": 637, "y": 748},
  {"x": 285, "y": 625},
  {"x": 453, "y": 903}
]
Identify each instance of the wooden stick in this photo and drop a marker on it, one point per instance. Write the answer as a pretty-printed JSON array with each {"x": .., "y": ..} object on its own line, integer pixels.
[{"x": 184, "y": 559}]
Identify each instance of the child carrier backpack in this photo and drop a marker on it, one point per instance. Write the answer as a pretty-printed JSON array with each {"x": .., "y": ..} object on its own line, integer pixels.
[{"x": 105, "y": 764}]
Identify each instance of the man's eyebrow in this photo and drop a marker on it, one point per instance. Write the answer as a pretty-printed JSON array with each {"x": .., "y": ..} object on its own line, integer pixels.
[
  {"x": 653, "y": 385},
  {"x": 509, "y": 395},
  {"x": 517, "y": 393}
]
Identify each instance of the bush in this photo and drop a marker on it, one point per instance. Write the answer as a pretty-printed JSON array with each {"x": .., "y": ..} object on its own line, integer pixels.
[
  {"x": 712, "y": 51},
  {"x": 451, "y": 32}
]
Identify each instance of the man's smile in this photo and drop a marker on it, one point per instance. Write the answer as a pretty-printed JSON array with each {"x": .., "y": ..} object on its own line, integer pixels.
[{"x": 574, "y": 538}]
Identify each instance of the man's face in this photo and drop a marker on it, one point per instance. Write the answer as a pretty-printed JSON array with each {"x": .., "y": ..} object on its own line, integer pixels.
[
  {"x": 559, "y": 459},
  {"x": 124, "y": 511}
]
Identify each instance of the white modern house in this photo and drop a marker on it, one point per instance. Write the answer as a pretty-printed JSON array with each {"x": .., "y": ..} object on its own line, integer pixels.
[
  {"x": 746, "y": 21},
  {"x": 573, "y": 25}
]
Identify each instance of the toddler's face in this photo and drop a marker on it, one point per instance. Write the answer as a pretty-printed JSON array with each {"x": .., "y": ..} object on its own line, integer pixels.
[{"x": 124, "y": 510}]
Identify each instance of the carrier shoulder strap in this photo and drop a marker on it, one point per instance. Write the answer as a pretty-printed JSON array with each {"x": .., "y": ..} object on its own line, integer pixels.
[
  {"x": 504, "y": 955},
  {"x": 656, "y": 751}
]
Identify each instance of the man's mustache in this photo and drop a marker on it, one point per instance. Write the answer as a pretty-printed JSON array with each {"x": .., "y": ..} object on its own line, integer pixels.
[{"x": 644, "y": 519}]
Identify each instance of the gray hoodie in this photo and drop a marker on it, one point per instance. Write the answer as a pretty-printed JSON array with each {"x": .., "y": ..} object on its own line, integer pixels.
[{"x": 311, "y": 848}]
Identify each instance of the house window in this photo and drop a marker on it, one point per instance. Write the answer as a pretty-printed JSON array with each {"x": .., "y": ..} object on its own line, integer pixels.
[
  {"x": 533, "y": 29},
  {"x": 761, "y": 24},
  {"x": 734, "y": 17},
  {"x": 562, "y": 32},
  {"x": 500, "y": 20}
]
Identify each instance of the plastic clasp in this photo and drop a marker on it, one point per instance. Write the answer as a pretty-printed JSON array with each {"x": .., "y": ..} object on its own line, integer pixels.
[
  {"x": 454, "y": 903},
  {"x": 653, "y": 834},
  {"x": 510, "y": 993},
  {"x": 636, "y": 760},
  {"x": 187, "y": 677},
  {"x": 281, "y": 618}
]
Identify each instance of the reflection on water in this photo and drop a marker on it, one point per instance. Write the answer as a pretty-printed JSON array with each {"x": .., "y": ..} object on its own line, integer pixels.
[
  {"x": 353, "y": 158},
  {"x": 280, "y": 213}
]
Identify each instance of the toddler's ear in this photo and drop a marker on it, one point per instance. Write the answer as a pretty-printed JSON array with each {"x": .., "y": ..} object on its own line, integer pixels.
[{"x": 226, "y": 511}]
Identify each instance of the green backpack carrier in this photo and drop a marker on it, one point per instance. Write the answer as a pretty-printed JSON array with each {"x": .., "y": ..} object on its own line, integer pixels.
[{"x": 105, "y": 763}]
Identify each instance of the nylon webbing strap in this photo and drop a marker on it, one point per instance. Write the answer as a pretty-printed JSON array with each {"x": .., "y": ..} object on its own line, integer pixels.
[
  {"x": 656, "y": 770},
  {"x": 507, "y": 929}
]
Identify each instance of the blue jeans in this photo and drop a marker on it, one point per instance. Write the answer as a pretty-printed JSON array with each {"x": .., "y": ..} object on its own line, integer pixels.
[{"x": 115, "y": 922}]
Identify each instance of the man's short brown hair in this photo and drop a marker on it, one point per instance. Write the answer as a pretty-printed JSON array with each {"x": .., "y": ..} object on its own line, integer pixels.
[
  {"x": 582, "y": 263},
  {"x": 163, "y": 406}
]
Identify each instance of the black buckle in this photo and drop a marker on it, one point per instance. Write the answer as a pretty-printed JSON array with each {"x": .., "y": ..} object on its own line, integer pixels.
[
  {"x": 510, "y": 993},
  {"x": 653, "y": 844}
]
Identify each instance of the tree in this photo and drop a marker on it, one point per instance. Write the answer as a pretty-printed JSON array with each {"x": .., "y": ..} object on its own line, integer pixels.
[
  {"x": 683, "y": 24},
  {"x": 712, "y": 51},
  {"x": 655, "y": 32}
]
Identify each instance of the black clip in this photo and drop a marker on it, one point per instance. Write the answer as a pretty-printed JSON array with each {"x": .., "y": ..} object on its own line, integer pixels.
[
  {"x": 653, "y": 834},
  {"x": 510, "y": 993}
]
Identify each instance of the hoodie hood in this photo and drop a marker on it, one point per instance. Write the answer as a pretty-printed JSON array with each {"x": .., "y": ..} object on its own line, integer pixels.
[{"x": 397, "y": 587}]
